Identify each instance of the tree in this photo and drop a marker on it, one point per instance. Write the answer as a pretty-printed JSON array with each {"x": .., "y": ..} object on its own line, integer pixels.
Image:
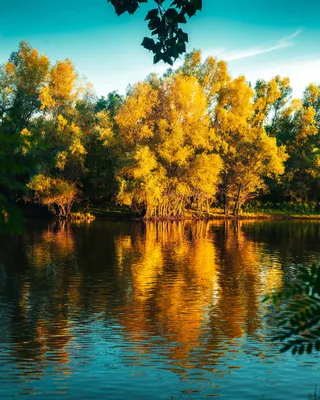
[
  {"x": 101, "y": 157},
  {"x": 55, "y": 193},
  {"x": 10, "y": 167},
  {"x": 167, "y": 149},
  {"x": 25, "y": 74},
  {"x": 269, "y": 100},
  {"x": 297, "y": 129},
  {"x": 249, "y": 154},
  {"x": 111, "y": 103},
  {"x": 52, "y": 137},
  {"x": 211, "y": 74},
  {"x": 164, "y": 23},
  {"x": 21, "y": 80},
  {"x": 182, "y": 141}
]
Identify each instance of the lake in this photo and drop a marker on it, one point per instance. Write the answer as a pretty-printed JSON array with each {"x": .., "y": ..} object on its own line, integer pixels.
[{"x": 157, "y": 310}]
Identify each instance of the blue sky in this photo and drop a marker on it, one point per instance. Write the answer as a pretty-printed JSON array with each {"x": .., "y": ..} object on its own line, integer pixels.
[{"x": 258, "y": 38}]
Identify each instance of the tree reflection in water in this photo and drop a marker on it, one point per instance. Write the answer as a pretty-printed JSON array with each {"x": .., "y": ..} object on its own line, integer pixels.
[{"x": 185, "y": 292}]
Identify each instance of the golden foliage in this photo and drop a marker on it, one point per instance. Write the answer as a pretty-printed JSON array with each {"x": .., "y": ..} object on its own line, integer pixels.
[
  {"x": 162, "y": 140},
  {"x": 60, "y": 91},
  {"x": 55, "y": 193}
]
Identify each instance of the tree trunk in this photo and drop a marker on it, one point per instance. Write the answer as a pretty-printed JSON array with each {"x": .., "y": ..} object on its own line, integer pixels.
[
  {"x": 226, "y": 206},
  {"x": 237, "y": 203}
]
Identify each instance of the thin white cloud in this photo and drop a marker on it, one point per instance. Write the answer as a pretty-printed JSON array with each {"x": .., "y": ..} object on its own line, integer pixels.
[
  {"x": 295, "y": 69},
  {"x": 160, "y": 68},
  {"x": 251, "y": 52},
  {"x": 295, "y": 34}
]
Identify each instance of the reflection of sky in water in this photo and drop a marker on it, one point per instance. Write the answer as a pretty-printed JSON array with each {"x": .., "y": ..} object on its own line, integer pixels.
[{"x": 163, "y": 310}]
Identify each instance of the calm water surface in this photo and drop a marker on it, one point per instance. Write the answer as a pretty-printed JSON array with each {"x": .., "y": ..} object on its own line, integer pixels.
[{"x": 122, "y": 310}]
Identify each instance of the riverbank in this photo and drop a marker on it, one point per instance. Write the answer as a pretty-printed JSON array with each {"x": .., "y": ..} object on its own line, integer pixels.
[{"x": 214, "y": 214}]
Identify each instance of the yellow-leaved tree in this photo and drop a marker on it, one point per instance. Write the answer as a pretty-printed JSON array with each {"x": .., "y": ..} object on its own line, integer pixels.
[
  {"x": 238, "y": 117},
  {"x": 55, "y": 193},
  {"x": 250, "y": 155},
  {"x": 168, "y": 147}
]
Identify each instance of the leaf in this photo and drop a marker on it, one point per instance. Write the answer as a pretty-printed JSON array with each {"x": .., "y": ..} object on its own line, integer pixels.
[
  {"x": 190, "y": 9},
  {"x": 173, "y": 51},
  {"x": 181, "y": 47},
  {"x": 198, "y": 4},
  {"x": 154, "y": 24},
  {"x": 181, "y": 18},
  {"x": 152, "y": 14},
  {"x": 167, "y": 59},
  {"x": 120, "y": 10},
  {"x": 157, "y": 57},
  {"x": 172, "y": 13},
  {"x": 183, "y": 36},
  {"x": 132, "y": 8},
  {"x": 148, "y": 44}
]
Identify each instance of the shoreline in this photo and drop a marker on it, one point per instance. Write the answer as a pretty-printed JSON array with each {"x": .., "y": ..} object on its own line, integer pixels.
[
  {"x": 268, "y": 217},
  {"x": 262, "y": 217},
  {"x": 123, "y": 215}
]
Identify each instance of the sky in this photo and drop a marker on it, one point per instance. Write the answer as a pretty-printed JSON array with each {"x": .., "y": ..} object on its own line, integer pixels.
[{"x": 258, "y": 39}]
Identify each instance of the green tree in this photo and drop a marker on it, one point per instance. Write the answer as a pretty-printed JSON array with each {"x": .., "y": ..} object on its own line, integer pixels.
[
  {"x": 25, "y": 74},
  {"x": 21, "y": 80},
  {"x": 58, "y": 139},
  {"x": 11, "y": 166},
  {"x": 297, "y": 129},
  {"x": 111, "y": 103}
]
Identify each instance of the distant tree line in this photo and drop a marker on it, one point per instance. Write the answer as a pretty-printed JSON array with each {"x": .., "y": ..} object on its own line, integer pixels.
[{"x": 193, "y": 137}]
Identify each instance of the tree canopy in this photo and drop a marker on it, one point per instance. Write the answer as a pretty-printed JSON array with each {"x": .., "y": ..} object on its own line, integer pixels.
[{"x": 173, "y": 146}]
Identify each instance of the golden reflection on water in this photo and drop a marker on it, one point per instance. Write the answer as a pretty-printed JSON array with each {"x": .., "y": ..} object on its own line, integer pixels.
[
  {"x": 185, "y": 278},
  {"x": 195, "y": 285},
  {"x": 57, "y": 242}
]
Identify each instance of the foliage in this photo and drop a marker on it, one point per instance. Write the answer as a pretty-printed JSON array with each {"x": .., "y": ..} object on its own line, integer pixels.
[
  {"x": 299, "y": 315},
  {"x": 164, "y": 23},
  {"x": 48, "y": 128},
  {"x": 111, "y": 103},
  {"x": 168, "y": 147},
  {"x": 57, "y": 194},
  {"x": 248, "y": 152},
  {"x": 10, "y": 165},
  {"x": 21, "y": 79},
  {"x": 82, "y": 217},
  {"x": 289, "y": 208},
  {"x": 189, "y": 139}
]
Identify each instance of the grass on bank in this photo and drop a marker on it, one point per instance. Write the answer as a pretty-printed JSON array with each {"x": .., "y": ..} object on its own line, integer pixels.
[
  {"x": 107, "y": 212},
  {"x": 114, "y": 212}
]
